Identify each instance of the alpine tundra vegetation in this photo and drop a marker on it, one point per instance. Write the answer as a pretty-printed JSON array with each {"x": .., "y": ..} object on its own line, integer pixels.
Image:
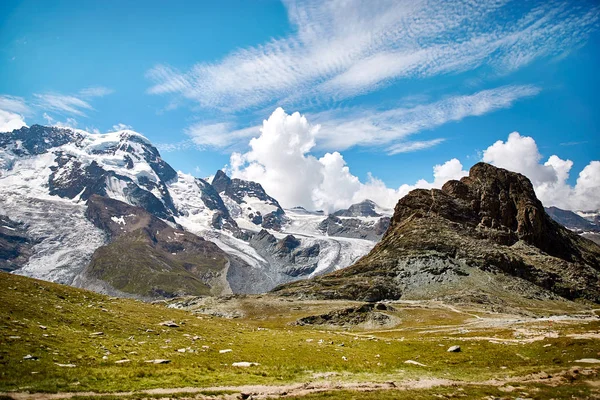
[{"x": 299, "y": 199}]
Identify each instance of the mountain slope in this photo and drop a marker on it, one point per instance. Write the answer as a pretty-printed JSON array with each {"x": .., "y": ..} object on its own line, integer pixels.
[
  {"x": 48, "y": 174},
  {"x": 484, "y": 238},
  {"x": 571, "y": 220},
  {"x": 149, "y": 258}
]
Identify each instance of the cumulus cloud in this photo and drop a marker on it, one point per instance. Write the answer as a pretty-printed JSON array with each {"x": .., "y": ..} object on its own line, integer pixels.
[
  {"x": 10, "y": 121},
  {"x": 550, "y": 178},
  {"x": 344, "y": 48},
  {"x": 281, "y": 160},
  {"x": 12, "y": 109}
]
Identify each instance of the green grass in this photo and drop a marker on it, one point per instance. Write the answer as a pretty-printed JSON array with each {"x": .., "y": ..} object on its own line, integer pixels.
[{"x": 286, "y": 353}]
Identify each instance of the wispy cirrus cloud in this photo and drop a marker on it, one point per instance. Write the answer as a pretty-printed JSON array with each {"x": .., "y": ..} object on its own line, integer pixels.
[
  {"x": 74, "y": 104},
  {"x": 340, "y": 50},
  {"x": 95, "y": 91},
  {"x": 218, "y": 135},
  {"x": 390, "y": 128},
  {"x": 62, "y": 103},
  {"x": 407, "y": 147},
  {"x": 14, "y": 104},
  {"x": 340, "y": 129}
]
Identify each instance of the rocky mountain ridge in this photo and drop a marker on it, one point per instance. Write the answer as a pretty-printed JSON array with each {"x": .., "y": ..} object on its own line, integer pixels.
[{"x": 485, "y": 238}]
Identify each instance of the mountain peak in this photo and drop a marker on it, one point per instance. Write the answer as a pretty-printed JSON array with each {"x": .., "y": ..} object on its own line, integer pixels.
[
  {"x": 221, "y": 181},
  {"x": 366, "y": 208},
  {"x": 485, "y": 236}
]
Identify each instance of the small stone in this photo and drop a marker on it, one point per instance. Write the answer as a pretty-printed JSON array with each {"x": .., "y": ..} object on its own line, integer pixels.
[
  {"x": 181, "y": 350},
  {"x": 588, "y": 360},
  {"x": 244, "y": 364},
  {"x": 344, "y": 358},
  {"x": 97, "y": 334},
  {"x": 225, "y": 351},
  {"x": 453, "y": 349},
  {"x": 122, "y": 361},
  {"x": 66, "y": 365},
  {"x": 43, "y": 327},
  {"x": 169, "y": 324},
  {"x": 158, "y": 361},
  {"x": 105, "y": 357},
  {"x": 30, "y": 357},
  {"x": 413, "y": 362}
]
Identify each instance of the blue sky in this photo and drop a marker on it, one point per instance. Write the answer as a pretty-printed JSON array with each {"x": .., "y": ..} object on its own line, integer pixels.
[{"x": 396, "y": 87}]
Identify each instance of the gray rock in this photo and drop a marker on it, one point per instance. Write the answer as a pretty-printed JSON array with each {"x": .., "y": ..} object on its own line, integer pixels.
[
  {"x": 169, "y": 324},
  {"x": 453, "y": 349}
]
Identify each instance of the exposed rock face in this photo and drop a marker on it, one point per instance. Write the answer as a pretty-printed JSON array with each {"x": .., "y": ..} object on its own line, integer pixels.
[
  {"x": 249, "y": 199},
  {"x": 484, "y": 238},
  {"x": 149, "y": 258},
  {"x": 366, "y": 314},
  {"x": 363, "y": 209},
  {"x": 354, "y": 227},
  {"x": 37, "y": 139},
  {"x": 15, "y": 244},
  {"x": 293, "y": 260}
]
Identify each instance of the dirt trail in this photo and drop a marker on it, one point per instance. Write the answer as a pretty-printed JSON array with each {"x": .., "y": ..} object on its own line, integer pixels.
[{"x": 303, "y": 389}]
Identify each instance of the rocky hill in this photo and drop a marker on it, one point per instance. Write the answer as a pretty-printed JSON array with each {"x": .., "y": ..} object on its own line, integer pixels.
[{"x": 485, "y": 238}]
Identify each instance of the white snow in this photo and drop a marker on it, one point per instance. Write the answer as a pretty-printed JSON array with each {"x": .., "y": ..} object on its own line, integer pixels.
[
  {"x": 68, "y": 239},
  {"x": 118, "y": 220}
]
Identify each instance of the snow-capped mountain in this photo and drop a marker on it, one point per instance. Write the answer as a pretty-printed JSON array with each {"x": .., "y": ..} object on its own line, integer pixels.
[
  {"x": 585, "y": 223},
  {"x": 48, "y": 174}
]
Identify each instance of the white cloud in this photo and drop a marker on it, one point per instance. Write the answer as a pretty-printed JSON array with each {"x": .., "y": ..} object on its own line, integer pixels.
[
  {"x": 95, "y": 91},
  {"x": 71, "y": 104},
  {"x": 14, "y": 104},
  {"x": 280, "y": 160},
  {"x": 521, "y": 154},
  {"x": 63, "y": 103},
  {"x": 341, "y": 130},
  {"x": 121, "y": 127},
  {"x": 407, "y": 147},
  {"x": 344, "y": 48},
  {"x": 10, "y": 121},
  {"x": 69, "y": 123},
  {"x": 12, "y": 109},
  {"x": 218, "y": 135},
  {"x": 345, "y": 128}
]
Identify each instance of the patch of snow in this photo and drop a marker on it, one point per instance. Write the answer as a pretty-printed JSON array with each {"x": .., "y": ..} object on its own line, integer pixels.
[{"x": 118, "y": 220}]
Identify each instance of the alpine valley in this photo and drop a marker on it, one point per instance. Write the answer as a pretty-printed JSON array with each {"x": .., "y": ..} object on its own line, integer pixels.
[{"x": 123, "y": 278}]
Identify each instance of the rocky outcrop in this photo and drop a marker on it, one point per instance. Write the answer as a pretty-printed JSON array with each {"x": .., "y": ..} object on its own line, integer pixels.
[
  {"x": 484, "y": 238},
  {"x": 354, "y": 227},
  {"x": 287, "y": 255},
  {"x": 15, "y": 244},
  {"x": 250, "y": 200}
]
